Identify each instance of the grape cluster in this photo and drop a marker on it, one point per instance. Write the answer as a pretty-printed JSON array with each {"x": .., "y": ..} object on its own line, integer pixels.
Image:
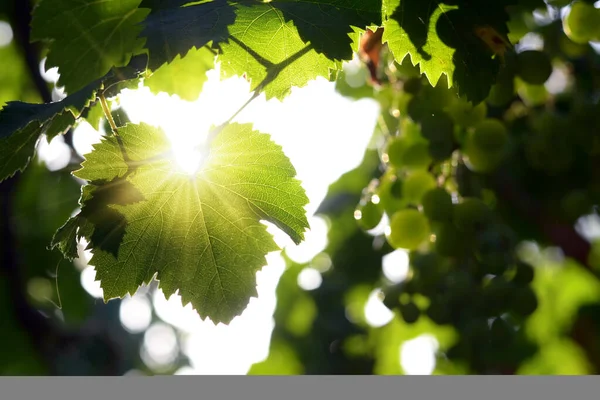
[
  {"x": 464, "y": 270},
  {"x": 464, "y": 184}
]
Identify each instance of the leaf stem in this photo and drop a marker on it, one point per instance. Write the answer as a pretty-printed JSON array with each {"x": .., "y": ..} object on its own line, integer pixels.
[{"x": 108, "y": 114}]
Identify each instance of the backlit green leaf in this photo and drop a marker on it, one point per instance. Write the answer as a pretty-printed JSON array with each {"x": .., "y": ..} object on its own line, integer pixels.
[
  {"x": 199, "y": 234},
  {"x": 88, "y": 37}
]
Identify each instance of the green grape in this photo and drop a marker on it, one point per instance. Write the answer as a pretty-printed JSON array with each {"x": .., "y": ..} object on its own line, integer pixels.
[
  {"x": 426, "y": 265},
  {"x": 416, "y": 185},
  {"x": 471, "y": 214},
  {"x": 410, "y": 286},
  {"x": 410, "y": 130},
  {"x": 408, "y": 229},
  {"x": 490, "y": 136},
  {"x": 524, "y": 274},
  {"x": 438, "y": 128},
  {"x": 404, "y": 154},
  {"x": 572, "y": 49},
  {"x": 390, "y": 192},
  {"x": 534, "y": 67},
  {"x": 460, "y": 285},
  {"x": 441, "y": 149},
  {"x": 501, "y": 331},
  {"x": 476, "y": 331},
  {"x": 416, "y": 156},
  {"x": 410, "y": 312},
  {"x": 485, "y": 146},
  {"x": 437, "y": 125},
  {"x": 581, "y": 24},
  {"x": 417, "y": 108},
  {"x": 517, "y": 27},
  {"x": 439, "y": 312},
  {"x": 533, "y": 95},
  {"x": 494, "y": 249},
  {"x": 465, "y": 114},
  {"x": 437, "y": 205},
  {"x": 501, "y": 93},
  {"x": 450, "y": 242},
  {"x": 392, "y": 296},
  {"x": 395, "y": 150},
  {"x": 524, "y": 301},
  {"x": 368, "y": 215},
  {"x": 575, "y": 204},
  {"x": 497, "y": 295}
]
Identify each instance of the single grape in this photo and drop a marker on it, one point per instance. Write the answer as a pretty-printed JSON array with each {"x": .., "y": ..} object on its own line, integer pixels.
[
  {"x": 392, "y": 296},
  {"x": 437, "y": 126},
  {"x": 533, "y": 95},
  {"x": 408, "y": 152},
  {"x": 437, "y": 205},
  {"x": 460, "y": 285},
  {"x": 416, "y": 156},
  {"x": 493, "y": 248},
  {"x": 408, "y": 229},
  {"x": 465, "y": 114},
  {"x": 575, "y": 204},
  {"x": 395, "y": 149},
  {"x": 425, "y": 264},
  {"x": 390, "y": 192},
  {"x": 534, "y": 67},
  {"x": 486, "y": 145},
  {"x": 368, "y": 215},
  {"x": 476, "y": 331},
  {"x": 410, "y": 312},
  {"x": 498, "y": 294},
  {"x": 450, "y": 241},
  {"x": 524, "y": 274},
  {"x": 524, "y": 301},
  {"x": 438, "y": 312},
  {"x": 581, "y": 24},
  {"x": 416, "y": 185},
  {"x": 471, "y": 214},
  {"x": 501, "y": 332},
  {"x": 501, "y": 93}
]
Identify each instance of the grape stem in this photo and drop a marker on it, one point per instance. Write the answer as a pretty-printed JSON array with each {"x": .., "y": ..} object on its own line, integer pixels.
[{"x": 108, "y": 114}]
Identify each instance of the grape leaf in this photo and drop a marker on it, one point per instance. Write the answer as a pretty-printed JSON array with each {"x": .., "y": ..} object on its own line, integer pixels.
[
  {"x": 21, "y": 125},
  {"x": 199, "y": 234},
  {"x": 183, "y": 76},
  {"x": 277, "y": 44},
  {"x": 171, "y": 30},
  {"x": 271, "y": 54},
  {"x": 88, "y": 37},
  {"x": 282, "y": 44},
  {"x": 66, "y": 238},
  {"x": 441, "y": 38}
]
